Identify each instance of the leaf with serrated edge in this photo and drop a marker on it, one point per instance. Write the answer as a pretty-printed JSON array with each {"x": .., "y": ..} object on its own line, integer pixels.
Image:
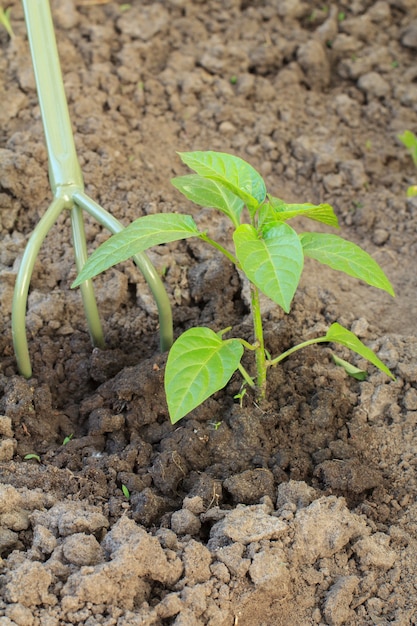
[
  {"x": 231, "y": 171},
  {"x": 143, "y": 233},
  {"x": 345, "y": 256},
  {"x": 210, "y": 193},
  {"x": 199, "y": 364},
  {"x": 323, "y": 213},
  {"x": 339, "y": 334},
  {"x": 273, "y": 263}
]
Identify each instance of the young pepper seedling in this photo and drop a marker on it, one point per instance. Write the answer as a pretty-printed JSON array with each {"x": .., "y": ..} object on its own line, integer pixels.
[{"x": 265, "y": 248}]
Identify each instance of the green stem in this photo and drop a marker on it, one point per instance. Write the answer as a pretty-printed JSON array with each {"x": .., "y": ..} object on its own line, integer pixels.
[
  {"x": 304, "y": 344},
  {"x": 261, "y": 363},
  {"x": 249, "y": 380},
  {"x": 247, "y": 345},
  {"x": 216, "y": 245},
  {"x": 142, "y": 261}
]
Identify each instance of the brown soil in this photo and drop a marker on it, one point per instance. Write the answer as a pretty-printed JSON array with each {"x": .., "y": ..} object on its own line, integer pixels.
[{"x": 302, "y": 511}]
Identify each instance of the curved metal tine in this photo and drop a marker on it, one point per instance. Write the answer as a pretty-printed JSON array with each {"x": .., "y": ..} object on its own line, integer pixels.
[
  {"x": 24, "y": 275},
  {"x": 87, "y": 291}
]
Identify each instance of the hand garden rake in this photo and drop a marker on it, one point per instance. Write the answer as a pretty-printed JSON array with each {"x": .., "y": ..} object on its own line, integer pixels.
[{"x": 67, "y": 186}]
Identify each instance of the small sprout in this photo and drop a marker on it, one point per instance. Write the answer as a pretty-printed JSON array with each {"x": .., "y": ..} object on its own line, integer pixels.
[
  {"x": 242, "y": 393},
  {"x": 395, "y": 64},
  {"x": 125, "y": 7},
  {"x": 368, "y": 144},
  {"x": 216, "y": 425},
  {"x": 412, "y": 191},
  {"x": 233, "y": 80},
  {"x": 410, "y": 141},
  {"x": 31, "y": 456},
  {"x": 67, "y": 439},
  {"x": 350, "y": 369},
  {"x": 341, "y": 16},
  {"x": 126, "y": 492},
  {"x": 5, "y": 20}
]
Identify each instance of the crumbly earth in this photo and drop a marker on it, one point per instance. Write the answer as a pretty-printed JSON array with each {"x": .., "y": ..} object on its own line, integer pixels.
[{"x": 300, "y": 511}]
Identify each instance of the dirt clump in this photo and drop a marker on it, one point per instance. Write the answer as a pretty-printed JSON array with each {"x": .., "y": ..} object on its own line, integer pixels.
[{"x": 299, "y": 511}]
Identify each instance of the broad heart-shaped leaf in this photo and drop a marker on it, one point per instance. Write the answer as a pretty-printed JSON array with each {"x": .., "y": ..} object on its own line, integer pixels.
[
  {"x": 339, "y": 334},
  {"x": 199, "y": 364},
  {"x": 345, "y": 256},
  {"x": 210, "y": 193},
  {"x": 273, "y": 263},
  {"x": 232, "y": 172},
  {"x": 143, "y": 233},
  {"x": 320, "y": 213}
]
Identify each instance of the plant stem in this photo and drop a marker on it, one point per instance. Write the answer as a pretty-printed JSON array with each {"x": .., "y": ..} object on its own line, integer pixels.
[
  {"x": 304, "y": 344},
  {"x": 216, "y": 245},
  {"x": 261, "y": 363},
  {"x": 248, "y": 379},
  {"x": 246, "y": 344}
]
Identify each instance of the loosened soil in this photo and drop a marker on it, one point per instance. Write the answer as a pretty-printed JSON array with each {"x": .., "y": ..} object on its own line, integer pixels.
[{"x": 300, "y": 511}]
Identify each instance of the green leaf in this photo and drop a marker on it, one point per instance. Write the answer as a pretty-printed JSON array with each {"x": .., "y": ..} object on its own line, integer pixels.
[
  {"x": 323, "y": 213},
  {"x": 346, "y": 257},
  {"x": 199, "y": 364},
  {"x": 267, "y": 216},
  {"x": 143, "y": 233},
  {"x": 5, "y": 20},
  {"x": 273, "y": 263},
  {"x": 232, "y": 172},
  {"x": 209, "y": 193},
  {"x": 339, "y": 334},
  {"x": 350, "y": 369},
  {"x": 126, "y": 492},
  {"x": 31, "y": 456}
]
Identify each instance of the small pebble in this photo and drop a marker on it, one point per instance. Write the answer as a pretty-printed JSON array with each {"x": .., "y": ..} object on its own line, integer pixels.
[
  {"x": 380, "y": 236},
  {"x": 184, "y": 522}
]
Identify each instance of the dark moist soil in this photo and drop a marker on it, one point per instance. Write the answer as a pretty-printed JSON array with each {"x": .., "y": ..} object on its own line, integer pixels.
[{"x": 300, "y": 511}]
